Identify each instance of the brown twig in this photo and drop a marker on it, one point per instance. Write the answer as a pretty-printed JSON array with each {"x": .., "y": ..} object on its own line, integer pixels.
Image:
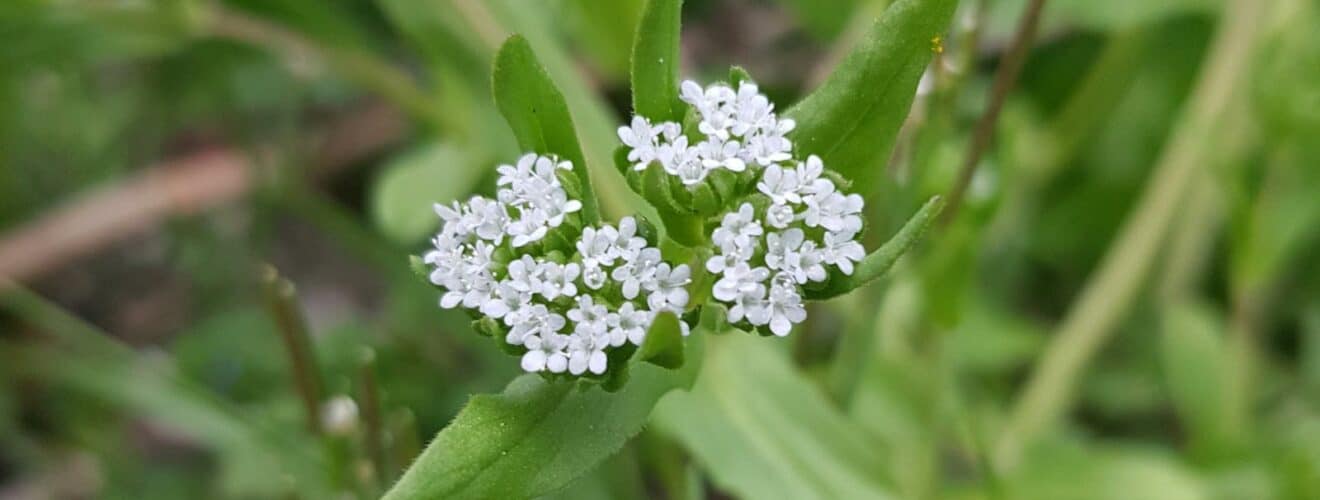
[
  {"x": 1005, "y": 79},
  {"x": 182, "y": 186}
]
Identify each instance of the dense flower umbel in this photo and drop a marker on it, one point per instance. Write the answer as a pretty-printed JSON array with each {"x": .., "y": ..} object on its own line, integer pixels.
[
  {"x": 780, "y": 237},
  {"x": 567, "y": 312}
]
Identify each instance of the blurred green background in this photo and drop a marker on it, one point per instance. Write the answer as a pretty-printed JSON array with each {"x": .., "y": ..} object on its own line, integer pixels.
[{"x": 1127, "y": 304}]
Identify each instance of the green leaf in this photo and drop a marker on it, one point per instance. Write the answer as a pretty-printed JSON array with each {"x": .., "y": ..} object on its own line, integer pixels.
[
  {"x": 1195, "y": 363},
  {"x": 764, "y": 431},
  {"x": 537, "y": 436},
  {"x": 877, "y": 263},
  {"x": 851, "y": 121},
  {"x": 655, "y": 62},
  {"x": 536, "y": 112},
  {"x": 411, "y": 183},
  {"x": 664, "y": 342},
  {"x": 603, "y": 31}
]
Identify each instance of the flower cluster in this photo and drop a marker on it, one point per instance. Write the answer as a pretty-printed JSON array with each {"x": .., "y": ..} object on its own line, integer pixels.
[
  {"x": 787, "y": 232},
  {"x": 740, "y": 129},
  {"x": 565, "y": 311}
]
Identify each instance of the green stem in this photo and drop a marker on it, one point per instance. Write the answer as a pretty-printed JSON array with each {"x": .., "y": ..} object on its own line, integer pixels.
[
  {"x": 282, "y": 301},
  {"x": 373, "y": 435},
  {"x": 1106, "y": 298}
]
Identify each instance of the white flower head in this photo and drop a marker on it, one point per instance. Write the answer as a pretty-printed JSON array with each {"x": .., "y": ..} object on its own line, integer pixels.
[{"x": 669, "y": 288}]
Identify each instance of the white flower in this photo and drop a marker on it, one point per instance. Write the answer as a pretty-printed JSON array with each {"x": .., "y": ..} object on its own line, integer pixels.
[
  {"x": 715, "y": 153},
  {"x": 641, "y": 137},
  {"x": 506, "y": 299},
  {"x": 669, "y": 288},
  {"x": 629, "y": 324},
  {"x": 728, "y": 257},
  {"x": 587, "y": 352},
  {"x": 626, "y": 242},
  {"x": 557, "y": 280},
  {"x": 530, "y": 227},
  {"x": 525, "y": 275},
  {"x": 834, "y": 211},
  {"x": 779, "y": 184},
  {"x": 739, "y": 281},
  {"x": 596, "y": 246},
  {"x": 753, "y": 110},
  {"x": 809, "y": 176},
  {"x": 589, "y": 318},
  {"x": 633, "y": 274},
  {"x": 532, "y": 320},
  {"x": 781, "y": 250},
  {"x": 779, "y": 216},
  {"x": 810, "y": 267},
  {"x": 841, "y": 251},
  {"x": 546, "y": 354},
  {"x": 737, "y": 229},
  {"x": 781, "y": 310},
  {"x": 766, "y": 150},
  {"x": 594, "y": 277}
]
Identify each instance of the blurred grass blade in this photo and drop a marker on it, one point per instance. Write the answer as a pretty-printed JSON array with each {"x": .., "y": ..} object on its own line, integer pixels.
[
  {"x": 537, "y": 436},
  {"x": 655, "y": 62},
  {"x": 762, "y": 430},
  {"x": 851, "y": 121},
  {"x": 877, "y": 263},
  {"x": 536, "y": 112}
]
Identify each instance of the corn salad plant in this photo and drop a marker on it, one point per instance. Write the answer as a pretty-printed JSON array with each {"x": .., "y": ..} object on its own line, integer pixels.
[{"x": 587, "y": 249}]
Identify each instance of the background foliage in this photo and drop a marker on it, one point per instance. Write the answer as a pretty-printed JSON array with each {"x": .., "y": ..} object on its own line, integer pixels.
[{"x": 1125, "y": 305}]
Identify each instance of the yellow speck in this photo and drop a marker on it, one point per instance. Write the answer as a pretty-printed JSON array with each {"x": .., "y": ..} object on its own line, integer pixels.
[{"x": 937, "y": 45}]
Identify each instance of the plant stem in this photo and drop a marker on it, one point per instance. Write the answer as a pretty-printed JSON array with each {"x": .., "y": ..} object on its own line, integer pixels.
[
  {"x": 1107, "y": 296},
  {"x": 282, "y": 300},
  {"x": 373, "y": 435},
  {"x": 1010, "y": 66}
]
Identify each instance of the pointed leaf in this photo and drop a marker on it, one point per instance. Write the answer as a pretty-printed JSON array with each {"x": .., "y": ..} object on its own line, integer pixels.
[
  {"x": 664, "y": 342},
  {"x": 852, "y": 119},
  {"x": 655, "y": 62},
  {"x": 537, "y": 436},
  {"x": 536, "y": 112},
  {"x": 877, "y": 263}
]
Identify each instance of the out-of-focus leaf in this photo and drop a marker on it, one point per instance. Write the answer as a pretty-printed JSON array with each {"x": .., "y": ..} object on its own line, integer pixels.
[
  {"x": 537, "y": 436},
  {"x": 1195, "y": 365},
  {"x": 259, "y": 459},
  {"x": 763, "y": 431},
  {"x": 655, "y": 62},
  {"x": 851, "y": 121},
  {"x": 604, "y": 31},
  {"x": 536, "y": 112},
  {"x": 1075, "y": 472},
  {"x": 1099, "y": 16},
  {"x": 1310, "y": 364},
  {"x": 877, "y": 263},
  {"x": 402, "y": 195},
  {"x": 823, "y": 18}
]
